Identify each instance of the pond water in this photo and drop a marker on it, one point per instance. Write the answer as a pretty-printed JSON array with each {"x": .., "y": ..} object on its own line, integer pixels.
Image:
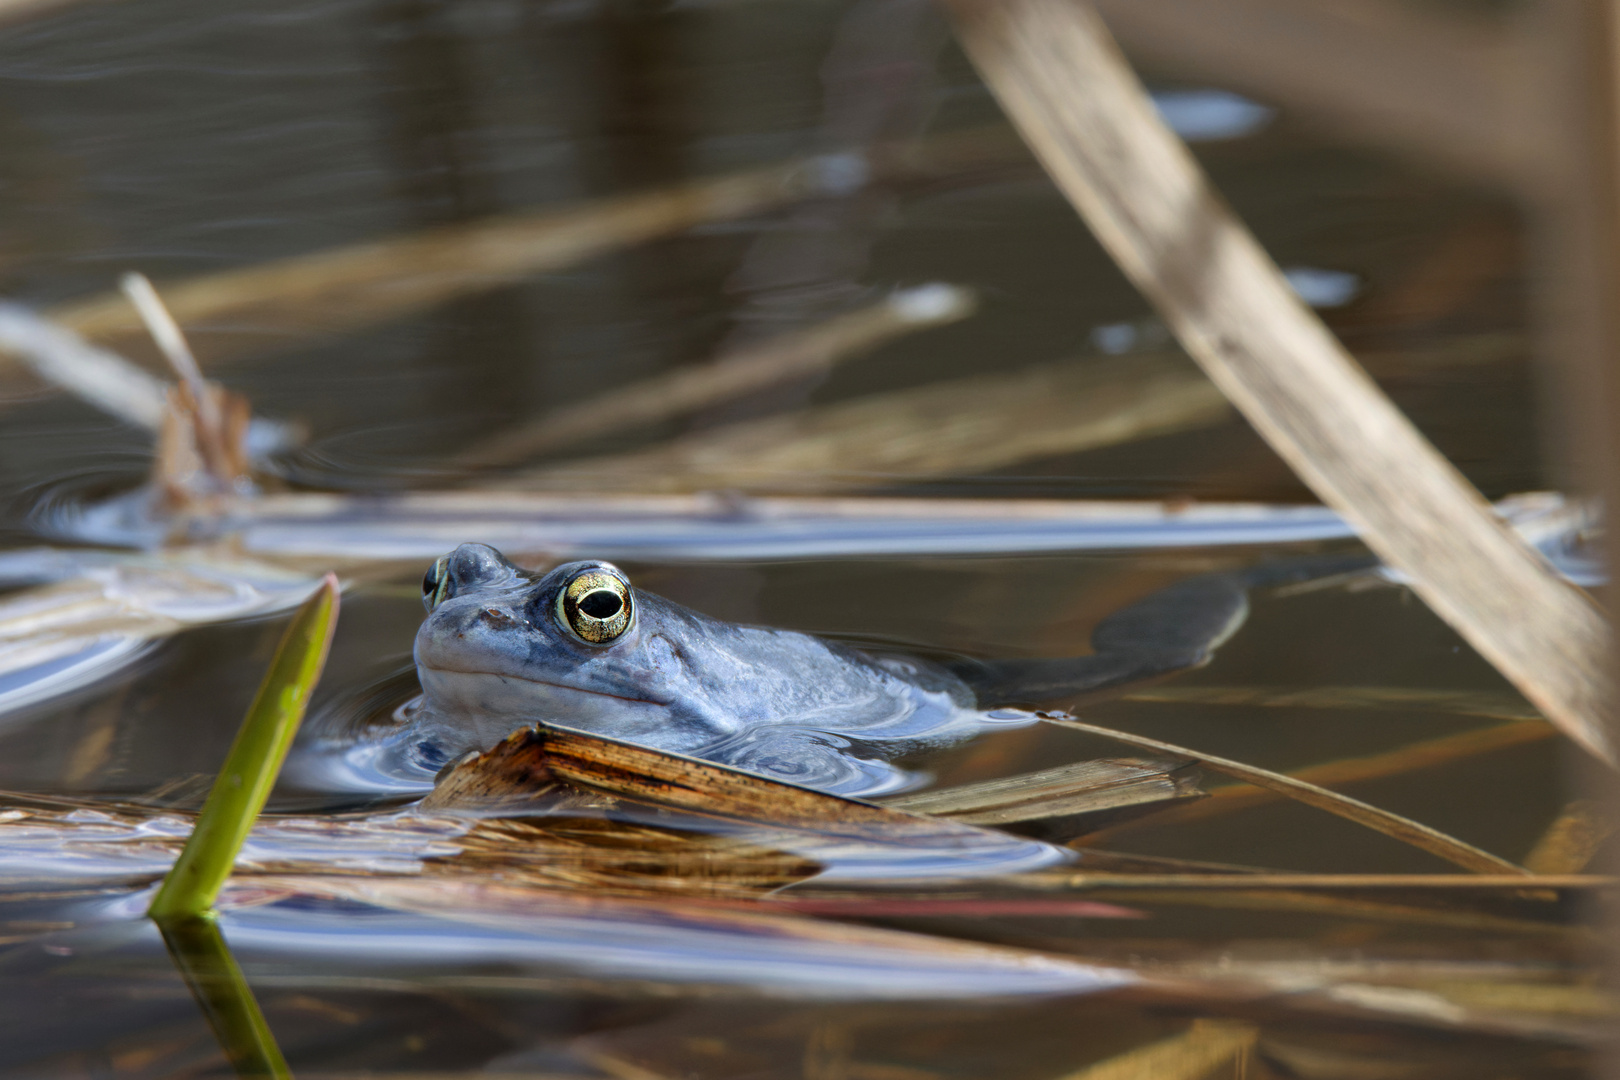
[{"x": 181, "y": 139}]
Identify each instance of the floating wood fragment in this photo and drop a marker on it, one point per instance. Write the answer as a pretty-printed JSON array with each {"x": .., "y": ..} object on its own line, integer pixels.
[
  {"x": 961, "y": 427},
  {"x": 1393, "y": 825},
  {"x": 595, "y": 853},
  {"x": 531, "y": 762},
  {"x": 1064, "y": 801},
  {"x": 1054, "y": 68},
  {"x": 789, "y": 356}
]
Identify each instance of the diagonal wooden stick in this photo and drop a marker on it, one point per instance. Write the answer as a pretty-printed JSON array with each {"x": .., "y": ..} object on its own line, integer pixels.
[
  {"x": 1056, "y": 71},
  {"x": 1400, "y": 828}
]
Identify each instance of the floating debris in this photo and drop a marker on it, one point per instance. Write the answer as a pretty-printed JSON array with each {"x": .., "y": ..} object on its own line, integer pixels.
[{"x": 850, "y": 837}]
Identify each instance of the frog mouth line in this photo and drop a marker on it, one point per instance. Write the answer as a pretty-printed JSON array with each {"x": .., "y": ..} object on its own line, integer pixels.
[{"x": 543, "y": 682}]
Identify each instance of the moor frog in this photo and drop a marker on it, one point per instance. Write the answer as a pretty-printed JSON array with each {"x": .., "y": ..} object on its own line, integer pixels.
[{"x": 580, "y": 646}]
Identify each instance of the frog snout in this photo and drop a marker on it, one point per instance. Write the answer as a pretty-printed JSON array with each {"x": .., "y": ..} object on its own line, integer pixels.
[{"x": 496, "y": 619}]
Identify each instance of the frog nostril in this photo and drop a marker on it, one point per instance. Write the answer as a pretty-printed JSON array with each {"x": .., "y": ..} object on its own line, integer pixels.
[
  {"x": 601, "y": 604},
  {"x": 498, "y": 619}
]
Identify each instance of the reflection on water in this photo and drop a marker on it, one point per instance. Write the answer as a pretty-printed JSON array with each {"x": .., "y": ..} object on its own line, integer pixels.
[{"x": 183, "y": 139}]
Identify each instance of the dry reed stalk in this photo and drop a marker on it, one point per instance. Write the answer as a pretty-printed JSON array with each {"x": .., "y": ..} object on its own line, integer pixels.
[
  {"x": 1427, "y": 754},
  {"x": 1058, "y": 74},
  {"x": 1392, "y": 825},
  {"x": 95, "y": 375},
  {"x": 963, "y": 426},
  {"x": 783, "y": 358},
  {"x": 1571, "y": 841},
  {"x": 356, "y": 285},
  {"x": 1086, "y": 787},
  {"x": 349, "y": 287},
  {"x": 1192, "y": 1055}
]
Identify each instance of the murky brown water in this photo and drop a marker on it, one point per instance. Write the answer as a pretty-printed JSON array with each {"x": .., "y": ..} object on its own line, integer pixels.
[{"x": 181, "y": 138}]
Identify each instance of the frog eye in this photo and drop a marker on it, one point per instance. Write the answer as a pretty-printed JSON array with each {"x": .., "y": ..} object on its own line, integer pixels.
[
  {"x": 596, "y": 606},
  {"x": 436, "y": 582}
]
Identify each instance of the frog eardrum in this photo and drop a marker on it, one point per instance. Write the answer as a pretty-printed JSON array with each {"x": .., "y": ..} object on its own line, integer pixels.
[{"x": 596, "y": 605}]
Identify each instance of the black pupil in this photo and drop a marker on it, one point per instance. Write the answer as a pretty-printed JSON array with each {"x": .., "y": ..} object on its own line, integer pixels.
[
  {"x": 430, "y": 581},
  {"x": 600, "y": 604}
]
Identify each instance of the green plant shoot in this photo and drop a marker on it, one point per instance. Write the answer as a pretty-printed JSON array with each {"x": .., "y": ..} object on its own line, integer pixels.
[{"x": 254, "y": 761}]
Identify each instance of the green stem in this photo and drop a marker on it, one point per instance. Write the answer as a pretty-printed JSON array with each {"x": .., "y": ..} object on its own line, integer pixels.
[{"x": 255, "y": 758}]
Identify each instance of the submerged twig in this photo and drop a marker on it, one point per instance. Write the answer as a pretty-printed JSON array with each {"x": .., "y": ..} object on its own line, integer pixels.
[
  {"x": 964, "y": 426},
  {"x": 1393, "y": 825},
  {"x": 254, "y": 760},
  {"x": 1060, "y": 77},
  {"x": 788, "y": 356}
]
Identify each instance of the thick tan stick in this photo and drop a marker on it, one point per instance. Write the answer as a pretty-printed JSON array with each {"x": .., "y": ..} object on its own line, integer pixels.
[{"x": 1058, "y": 74}]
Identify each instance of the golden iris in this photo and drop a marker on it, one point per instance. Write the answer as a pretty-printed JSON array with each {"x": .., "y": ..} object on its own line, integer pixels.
[{"x": 596, "y": 606}]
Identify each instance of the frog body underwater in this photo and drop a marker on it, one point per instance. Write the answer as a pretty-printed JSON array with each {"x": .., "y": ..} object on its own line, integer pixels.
[{"x": 579, "y": 646}]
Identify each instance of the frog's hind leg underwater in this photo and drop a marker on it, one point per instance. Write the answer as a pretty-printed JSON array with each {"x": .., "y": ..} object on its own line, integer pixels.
[{"x": 1174, "y": 629}]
